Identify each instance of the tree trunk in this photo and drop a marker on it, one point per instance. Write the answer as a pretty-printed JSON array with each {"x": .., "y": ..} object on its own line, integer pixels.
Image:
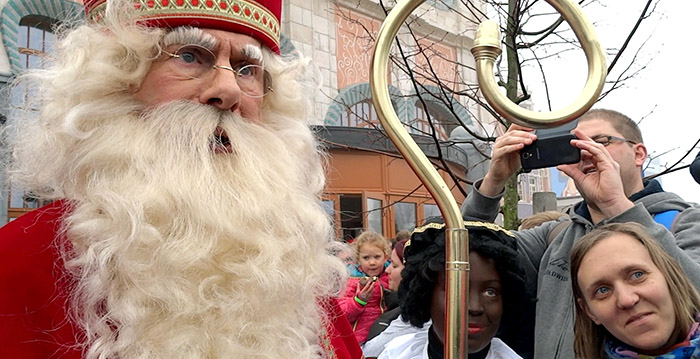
[
  {"x": 510, "y": 204},
  {"x": 510, "y": 199}
]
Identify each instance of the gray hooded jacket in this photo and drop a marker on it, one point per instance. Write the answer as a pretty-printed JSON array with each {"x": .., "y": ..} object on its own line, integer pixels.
[{"x": 550, "y": 263}]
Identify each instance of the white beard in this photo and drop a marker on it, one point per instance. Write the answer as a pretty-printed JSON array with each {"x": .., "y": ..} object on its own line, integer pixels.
[{"x": 178, "y": 252}]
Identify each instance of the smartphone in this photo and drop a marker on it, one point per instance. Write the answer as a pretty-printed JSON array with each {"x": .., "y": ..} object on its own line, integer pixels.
[{"x": 552, "y": 147}]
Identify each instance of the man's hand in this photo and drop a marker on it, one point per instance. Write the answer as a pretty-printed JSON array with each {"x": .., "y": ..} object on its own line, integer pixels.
[
  {"x": 505, "y": 158},
  {"x": 597, "y": 178}
]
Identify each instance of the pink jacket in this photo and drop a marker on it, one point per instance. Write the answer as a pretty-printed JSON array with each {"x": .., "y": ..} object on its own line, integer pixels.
[{"x": 362, "y": 317}]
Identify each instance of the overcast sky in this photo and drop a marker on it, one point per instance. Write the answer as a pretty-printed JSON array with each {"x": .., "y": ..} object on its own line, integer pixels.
[{"x": 662, "y": 94}]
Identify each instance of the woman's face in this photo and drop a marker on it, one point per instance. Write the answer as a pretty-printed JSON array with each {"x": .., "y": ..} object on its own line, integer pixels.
[
  {"x": 394, "y": 271},
  {"x": 625, "y": 292},
  {"x": 485, "y": 303}
]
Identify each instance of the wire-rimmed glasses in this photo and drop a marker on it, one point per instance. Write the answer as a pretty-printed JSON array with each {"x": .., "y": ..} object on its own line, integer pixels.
[
  {"x": 606, "y": 140},
  {"x": 195, "y": 61}
]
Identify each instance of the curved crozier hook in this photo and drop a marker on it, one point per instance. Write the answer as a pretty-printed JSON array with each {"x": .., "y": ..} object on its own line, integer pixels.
[
  {"x": 457, "y": 239},
  {"x": 487, "y": 47}
]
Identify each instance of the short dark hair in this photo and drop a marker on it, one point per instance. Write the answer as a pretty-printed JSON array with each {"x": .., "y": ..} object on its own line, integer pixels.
[
  {"x": 402, "y": 234},
  {"x": 622, "y": 123}
]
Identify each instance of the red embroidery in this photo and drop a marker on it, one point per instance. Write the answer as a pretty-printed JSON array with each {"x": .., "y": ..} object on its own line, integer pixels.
[{"x": 247, "y": 12}]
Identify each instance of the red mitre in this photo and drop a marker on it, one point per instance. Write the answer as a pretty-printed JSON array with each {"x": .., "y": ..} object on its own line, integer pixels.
[{"x": 259, "y": 19}]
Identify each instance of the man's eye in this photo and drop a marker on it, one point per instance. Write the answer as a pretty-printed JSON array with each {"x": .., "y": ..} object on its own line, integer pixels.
[
  {"x": 637, "y": 275},
  {"x": 188, "y": 57},
  {"x": 603, "y": 140},
  {"x": 249, "y": 71},
  {"x": 193, "y": 54}
]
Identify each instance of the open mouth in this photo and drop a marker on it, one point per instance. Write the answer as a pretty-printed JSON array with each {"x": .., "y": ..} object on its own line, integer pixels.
[{"x": 220, "y": 142}]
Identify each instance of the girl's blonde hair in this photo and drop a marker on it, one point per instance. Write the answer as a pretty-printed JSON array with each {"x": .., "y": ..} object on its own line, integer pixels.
[
  {"x": 371, "y": 238},
  {"x": 589, "y": 337}
]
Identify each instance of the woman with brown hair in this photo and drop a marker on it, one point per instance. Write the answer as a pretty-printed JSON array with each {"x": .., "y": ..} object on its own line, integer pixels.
[{"x": 632, "y": 298}]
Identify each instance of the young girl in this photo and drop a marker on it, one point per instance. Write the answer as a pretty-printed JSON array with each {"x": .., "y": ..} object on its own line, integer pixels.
[
  {"x": 632, "y": 299},
  {"x": 363, "y": 301}
]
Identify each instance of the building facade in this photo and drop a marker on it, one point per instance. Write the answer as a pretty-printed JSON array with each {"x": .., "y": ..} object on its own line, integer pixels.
[
  {"x": 26, "y": 33},
  {"x": 432, "y": 84}
]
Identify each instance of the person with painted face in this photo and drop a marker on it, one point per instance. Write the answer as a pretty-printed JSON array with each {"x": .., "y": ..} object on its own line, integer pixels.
[
  {"x": 637, "y": 305},
  {"x": 497, "y": 293}
]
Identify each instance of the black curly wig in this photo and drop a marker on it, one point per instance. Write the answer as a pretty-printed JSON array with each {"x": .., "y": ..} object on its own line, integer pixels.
[{"x": 425, "y": 258}]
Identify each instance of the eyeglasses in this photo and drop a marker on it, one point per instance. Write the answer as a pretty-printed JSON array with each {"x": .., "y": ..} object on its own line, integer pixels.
[
  {"x": 606, "y": 140},
  {"x": 194, "y": 61}
]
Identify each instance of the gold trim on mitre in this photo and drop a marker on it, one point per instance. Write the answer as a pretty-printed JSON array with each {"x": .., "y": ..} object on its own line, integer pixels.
[
  {"x": 488, "y": 225},
  {"x": 239, "y": 12}
]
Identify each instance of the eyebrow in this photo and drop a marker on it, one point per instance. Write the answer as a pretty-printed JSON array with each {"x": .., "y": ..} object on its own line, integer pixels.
[
  {"x": 492, "y": 281},
  {"x": 189, "y": 35},
  {"x": 252, "y": 52}
]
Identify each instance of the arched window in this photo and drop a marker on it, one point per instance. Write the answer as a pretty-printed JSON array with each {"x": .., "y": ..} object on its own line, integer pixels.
[
  {"x": 360, "y": 114},
  {"x": 34, "y": 40},
  {"x": 443, "y": 121}
]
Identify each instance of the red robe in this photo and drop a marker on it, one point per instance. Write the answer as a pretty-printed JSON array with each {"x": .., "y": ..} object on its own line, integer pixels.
[{"x": 34, "y": 293}]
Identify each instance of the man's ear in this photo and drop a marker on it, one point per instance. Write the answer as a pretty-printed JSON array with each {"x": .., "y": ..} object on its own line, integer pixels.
[
  {"x": 590, "y": 315},
  {"x": 640, "y": 154}
]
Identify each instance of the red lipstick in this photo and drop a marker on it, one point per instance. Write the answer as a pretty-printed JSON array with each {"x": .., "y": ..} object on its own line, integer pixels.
[{"x": 474, "y": 329}]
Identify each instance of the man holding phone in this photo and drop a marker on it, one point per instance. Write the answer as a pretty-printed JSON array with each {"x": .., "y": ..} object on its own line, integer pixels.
[{"x": 609, "y": 178}]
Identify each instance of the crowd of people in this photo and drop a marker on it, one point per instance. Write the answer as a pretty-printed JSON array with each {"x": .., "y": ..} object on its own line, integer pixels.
[
  {"x": 174, "y": 145},
  {"x": 610, "y": 181}
]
